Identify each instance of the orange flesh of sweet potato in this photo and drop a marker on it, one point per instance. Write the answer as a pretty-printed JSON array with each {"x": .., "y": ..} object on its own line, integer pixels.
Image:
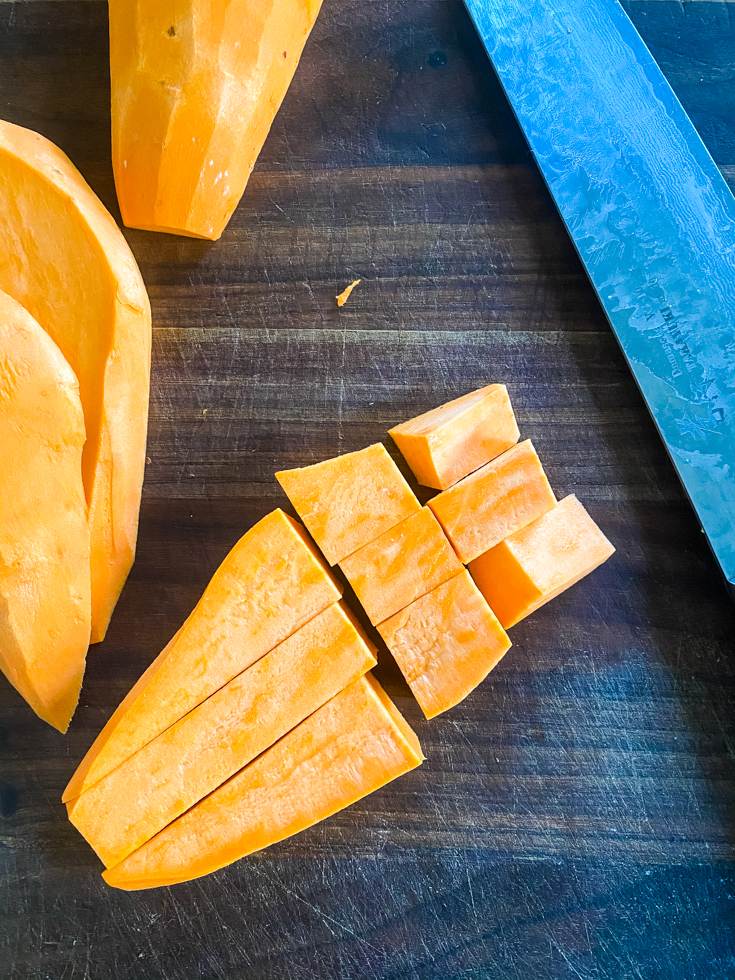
[
  {"x": 450, "y": 442},
  {"x": 270, "y": 584},
  {"x": 64, "y": 259},
  {"x": 348, "y": 501},
  {"x": 220, "y": 736},
  {"x": 45, "y": 605},
  {"x": 350, "y": 747},
  {"x": 495, "y": 501},
  {"x": 445, "y": 643},
  {"x": 402, "y": 564},
  {"x": 540, "y": 561},
  {"x": 195, "y": 89}
]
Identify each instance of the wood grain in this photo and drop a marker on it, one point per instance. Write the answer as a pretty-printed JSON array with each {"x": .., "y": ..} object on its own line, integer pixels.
[{"x": 574, "y": 815}]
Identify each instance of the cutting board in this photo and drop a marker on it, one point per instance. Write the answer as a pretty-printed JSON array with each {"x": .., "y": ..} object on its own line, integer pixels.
[{"x": 574, "y": 815}]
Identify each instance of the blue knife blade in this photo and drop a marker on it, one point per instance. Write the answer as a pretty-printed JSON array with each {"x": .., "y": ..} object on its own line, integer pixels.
[{"x": 650, "y": 215}]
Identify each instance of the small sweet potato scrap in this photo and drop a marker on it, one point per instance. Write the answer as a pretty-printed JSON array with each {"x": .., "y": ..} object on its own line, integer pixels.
[{"x": 345, "y": 294}]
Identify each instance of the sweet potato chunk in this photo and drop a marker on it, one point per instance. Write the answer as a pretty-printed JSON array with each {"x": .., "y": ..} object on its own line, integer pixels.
[
  {"x": 445, "y": 643},
  {"x": 450, "y": 442},
  {"x": 349, "y": 500},
  {"x": 350, "y": 747},
  {"x": 45, "y": 604},
  {"x": 541, "y": 560},
  {"x": 404, "y": 563},
  {"x": 270, "y": 584},
  {"x": 498, "y": 499},
  {"x": 220, "y": 736}
]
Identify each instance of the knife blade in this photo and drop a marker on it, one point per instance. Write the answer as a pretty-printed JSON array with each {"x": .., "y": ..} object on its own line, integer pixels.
[{"x": 649, "y": 214}]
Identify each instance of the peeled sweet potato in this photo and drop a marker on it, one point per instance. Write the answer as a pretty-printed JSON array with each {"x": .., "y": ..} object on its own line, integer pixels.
[
  {"x": 45, "y": 605},
  {"x": 195, "y": 88},
  {"x": 65, "y": 260}
]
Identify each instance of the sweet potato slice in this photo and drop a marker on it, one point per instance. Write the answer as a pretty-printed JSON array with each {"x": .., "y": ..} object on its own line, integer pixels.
[
  {"x": 349, "y": 500},
  {"x": 498, "y": 499},
  {"x": 270, "y": 584},
  {"x": 450, "y": 442},
  {"x": 350, "y": 747},
  {"x": 65, "y": 260},
  {"x": 195, "y": 88},
  {"x": 446, "y": 643},
  {"x": 404, "y": 563},
  {"x": 540, "y": 561},
  {"x": 220, "y": 736},
  {"x": 45, "y": 606}
]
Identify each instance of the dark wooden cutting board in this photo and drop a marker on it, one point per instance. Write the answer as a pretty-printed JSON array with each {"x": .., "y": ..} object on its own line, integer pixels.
[{"x": 574, "y": 815}]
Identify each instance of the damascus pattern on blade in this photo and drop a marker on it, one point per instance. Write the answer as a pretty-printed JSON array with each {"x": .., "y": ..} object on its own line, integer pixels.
[{"x": 649, "y": 213}]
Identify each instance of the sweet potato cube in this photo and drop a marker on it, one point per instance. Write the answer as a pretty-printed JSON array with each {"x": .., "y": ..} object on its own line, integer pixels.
[
  {"x": 445, "y": 643},
  {"x": 450, "y": 442},
  {"x": 349, "y": 500},
  {"x": 350, "y": 747},
  {"x": 541, "y": 560},
  {"x": 495, "y": 501},
  {"x": 404, "y": 563},
  {"x": 271, "y": 583},
  {"x": 223, "y": 734}
]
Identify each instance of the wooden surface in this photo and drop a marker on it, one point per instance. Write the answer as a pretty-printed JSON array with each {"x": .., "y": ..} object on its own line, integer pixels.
[{"x": 574, "y": 817}]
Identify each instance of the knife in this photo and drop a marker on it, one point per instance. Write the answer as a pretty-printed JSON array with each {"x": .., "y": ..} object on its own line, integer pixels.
[{"x": 649, "y": 214}]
